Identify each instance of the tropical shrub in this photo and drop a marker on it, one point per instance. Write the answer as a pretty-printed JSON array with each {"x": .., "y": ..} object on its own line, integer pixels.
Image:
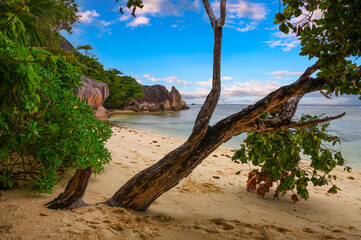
[
  {"x": 278, "y": 156},
  {"x": 44, "y": 128}
]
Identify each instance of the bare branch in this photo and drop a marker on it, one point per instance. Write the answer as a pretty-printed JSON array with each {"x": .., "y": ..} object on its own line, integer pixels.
[
  {"x": 204, "y": 116},
  {"x": 222, "y": 19},
  {"x": 210, "y": 13},
  {"x": 325, "y": 95},
  {"x": 268, "y": 125}
]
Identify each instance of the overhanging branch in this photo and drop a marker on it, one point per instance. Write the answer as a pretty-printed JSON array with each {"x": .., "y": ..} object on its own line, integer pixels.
[{"x": 269, "y": 125}]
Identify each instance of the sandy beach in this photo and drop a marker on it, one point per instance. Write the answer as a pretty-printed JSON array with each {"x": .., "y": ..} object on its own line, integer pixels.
[{"x": 212, "y": 203}]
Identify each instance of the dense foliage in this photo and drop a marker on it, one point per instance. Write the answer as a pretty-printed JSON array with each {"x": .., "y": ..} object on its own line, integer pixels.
[
  {"x": 36, "y": 22},
  {"x": 329, "y": 31},
  {"x": 278, "y": 154},
  {"x": 44, "y": 128},
  {"x": 121, "y": 88}
]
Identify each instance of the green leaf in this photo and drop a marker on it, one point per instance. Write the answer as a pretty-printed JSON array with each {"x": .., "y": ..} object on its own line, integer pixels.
[
  {"x": 298, "y": 13},
  {"x": 280, "y": 17},
  {"x": 283, "y": 28}
]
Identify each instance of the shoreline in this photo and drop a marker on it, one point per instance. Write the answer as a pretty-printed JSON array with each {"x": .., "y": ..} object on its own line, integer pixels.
[
  {"x": 356, "y": 166},
  {"x": 211, "y": 203}
]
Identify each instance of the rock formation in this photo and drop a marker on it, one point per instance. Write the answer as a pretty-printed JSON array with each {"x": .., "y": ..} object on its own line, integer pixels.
[
  {"x": 157, "y": 98},
  {"x": 95, "y": 94},
  {"x": 66, "y": 45}
]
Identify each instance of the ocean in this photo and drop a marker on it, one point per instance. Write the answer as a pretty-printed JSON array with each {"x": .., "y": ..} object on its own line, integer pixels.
[{"x": 180, "y": 124}]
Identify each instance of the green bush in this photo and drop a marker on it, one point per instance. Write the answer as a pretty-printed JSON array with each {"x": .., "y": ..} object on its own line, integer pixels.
[
  {"x": 44, "y": 128},
  {"x": 278, "y": 154}
]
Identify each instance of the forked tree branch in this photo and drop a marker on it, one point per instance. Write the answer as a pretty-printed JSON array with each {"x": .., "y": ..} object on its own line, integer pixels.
[
  {"x": 204, "y": 116},
  {"x": 210, "y": 13},
  {"x": 222, "y": 19},
  {"x": 289, "y": 109}
]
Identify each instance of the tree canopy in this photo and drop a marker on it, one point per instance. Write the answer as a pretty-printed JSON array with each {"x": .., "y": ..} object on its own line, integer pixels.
[{"x": 333, "y": 38}]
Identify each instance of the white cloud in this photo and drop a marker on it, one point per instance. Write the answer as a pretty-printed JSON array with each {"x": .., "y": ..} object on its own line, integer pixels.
[
  {"x": 180, "y": 82},
  {"x": 227, "y": 78},
  {"x": 153, "y": 79},
  {"x": 138, "y": 21},
  {"x": 245, "y": 9},
  {"x": 249, "y": 27},
  {"x": 286, "y": 41},
  {"x": 174, "y": 25},
  {"x": 200, "y": 93},
  {"x": 242, "y": 9},
  {"x": 239, "y": 90},
  {"x": 209, "y": 82},
  {"x": 171, "y": 79},
  {"x": 103, "y": 27},
  {"x": 105, "y": 23},
  {"x": 205, "y": 83},
  {"x": 88, "y": 16},
  {"x": 124, "y": 17},
  {"x": 280, "y": 74},
  {"x": 156, "y": 8},
  {"x": 250, "y": 88},
  {"x": 285, "y": 73},
  {"x": 316, "y": 97}
]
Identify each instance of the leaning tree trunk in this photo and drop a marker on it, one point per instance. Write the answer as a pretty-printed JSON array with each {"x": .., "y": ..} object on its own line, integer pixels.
[
  {"x": 146, "y": 186},
  {"x": 72, "y": 197}
]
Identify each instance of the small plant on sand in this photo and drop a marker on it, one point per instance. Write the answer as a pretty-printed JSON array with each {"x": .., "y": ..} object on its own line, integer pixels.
[{"x": 278, "y": 156}]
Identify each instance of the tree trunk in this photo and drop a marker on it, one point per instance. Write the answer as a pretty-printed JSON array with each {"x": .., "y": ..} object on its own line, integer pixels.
[
  {"x": 72, "y": 197},
  {"x": 145, "y": 187}
]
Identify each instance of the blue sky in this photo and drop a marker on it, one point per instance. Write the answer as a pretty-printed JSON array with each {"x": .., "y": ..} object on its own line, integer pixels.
[{"x": 171, "y": 43}]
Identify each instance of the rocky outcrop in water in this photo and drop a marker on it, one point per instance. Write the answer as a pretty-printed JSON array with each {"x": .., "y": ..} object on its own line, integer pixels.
[
  {"x": 157, "y": 98},
  {"x": 95, "y": 94}
]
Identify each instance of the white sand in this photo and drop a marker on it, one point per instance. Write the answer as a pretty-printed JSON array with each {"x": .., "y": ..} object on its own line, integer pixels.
[{"x": 212, "y": 203}]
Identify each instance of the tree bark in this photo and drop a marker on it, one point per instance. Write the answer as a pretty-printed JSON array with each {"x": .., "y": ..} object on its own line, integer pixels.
[{"x": 72, "y": 197}]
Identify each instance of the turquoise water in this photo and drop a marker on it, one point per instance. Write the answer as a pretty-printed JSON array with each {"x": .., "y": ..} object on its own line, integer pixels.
[{"x": 180, "y": 124}]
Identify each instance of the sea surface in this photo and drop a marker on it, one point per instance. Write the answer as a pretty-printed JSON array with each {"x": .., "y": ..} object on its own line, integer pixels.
[{"x": 180, "y": 124}]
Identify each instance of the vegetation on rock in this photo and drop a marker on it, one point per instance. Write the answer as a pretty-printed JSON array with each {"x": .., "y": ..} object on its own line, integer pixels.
[{"x": 122, "y": 88}]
